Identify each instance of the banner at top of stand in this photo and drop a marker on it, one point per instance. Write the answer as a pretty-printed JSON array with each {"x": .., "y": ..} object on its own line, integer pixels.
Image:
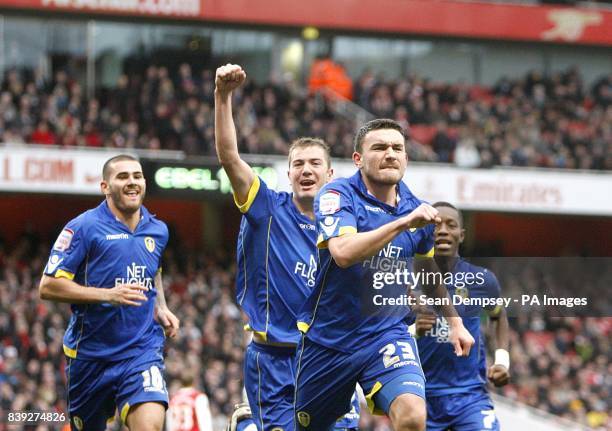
[
  {"x": 545, "y": 191},
  {"x": 479, "y": 20},
  {"x": 35, "y": 169}
]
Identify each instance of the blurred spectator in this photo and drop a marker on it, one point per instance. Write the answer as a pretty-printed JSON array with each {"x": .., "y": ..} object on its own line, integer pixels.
[
  {"x": 466, "y": 154},
  {"x": 42, "y": 134},
  {"x": 325, "y": 74},
  {"x": 536, "y": 120}
]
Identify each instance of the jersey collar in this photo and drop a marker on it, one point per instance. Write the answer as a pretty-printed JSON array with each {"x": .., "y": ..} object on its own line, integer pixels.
[{"x": 145, "y": 215}]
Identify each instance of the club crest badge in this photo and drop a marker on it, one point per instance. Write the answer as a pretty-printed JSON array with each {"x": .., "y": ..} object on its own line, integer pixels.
[{"x": 150, "y": 244}]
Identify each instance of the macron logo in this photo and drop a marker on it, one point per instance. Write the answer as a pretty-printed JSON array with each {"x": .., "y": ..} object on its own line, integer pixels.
[
  {"x": 117, "y": 236},
  {"x": 375, "y": 209},
  {"x": 329, "y": 225}
]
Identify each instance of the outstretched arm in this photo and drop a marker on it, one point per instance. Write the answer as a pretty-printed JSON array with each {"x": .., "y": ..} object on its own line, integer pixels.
[
  {"x": 349, "y": 249},
  {"x": 60, "y": 289},
  {"x": 460, "y": 337},
  {"x": 227, "y": 79}
]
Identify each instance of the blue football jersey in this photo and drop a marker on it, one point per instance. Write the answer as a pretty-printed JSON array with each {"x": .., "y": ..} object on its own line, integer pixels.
[
  {"x": 339, "y": 312},
  {"x": 276, "y": 262},
  {"x": 446, "y": 373},
  {"x": 96, "y": 249}
]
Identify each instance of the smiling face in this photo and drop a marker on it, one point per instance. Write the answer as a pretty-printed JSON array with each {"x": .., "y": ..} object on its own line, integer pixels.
[
  {"x": 125, "y": 186},
  {"x": 382, "y": 159},
  {"x": 308, "y": 171},
  {"x": 449, "y": 234}
]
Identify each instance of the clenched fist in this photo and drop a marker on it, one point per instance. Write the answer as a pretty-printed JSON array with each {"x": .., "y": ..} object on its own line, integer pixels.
[
  {"x": 499, "y": 375},
  {"x": 228, "y": 78},
  {"x": 423, "y": 215},
  {"x": 424, "y": 322}
]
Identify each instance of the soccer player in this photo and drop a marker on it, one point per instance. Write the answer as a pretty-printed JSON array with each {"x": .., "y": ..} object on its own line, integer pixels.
[
  {"x": 106, "y": 264},
  {"x": 277, "y": 258},
  {"x": 457, "y": 398},
  {"x": 369, "y": 224},
  {"x": 189, "y": 409}
]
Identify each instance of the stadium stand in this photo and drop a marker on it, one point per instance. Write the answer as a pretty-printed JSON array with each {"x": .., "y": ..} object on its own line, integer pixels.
[{"x": 534, "y": 120}]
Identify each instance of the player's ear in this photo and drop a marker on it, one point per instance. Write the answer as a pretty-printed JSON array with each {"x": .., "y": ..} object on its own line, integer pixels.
[
  {"x": 330, "y": 174},
  {"x": 357, "y": 159},
  {"x": 462, "y": 236},
  {"x": 104, "y": 188}
]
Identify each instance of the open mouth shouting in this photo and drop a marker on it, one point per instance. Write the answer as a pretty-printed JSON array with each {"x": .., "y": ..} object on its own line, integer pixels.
[{"x": 307, "y": 184}]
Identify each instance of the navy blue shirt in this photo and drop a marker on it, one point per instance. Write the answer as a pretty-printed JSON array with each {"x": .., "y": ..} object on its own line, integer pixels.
[
  {"x": 96, "y": 249},
  {"x": 276, "y": 262},
  {"x": 334, "y": 315},
  {"x": 446, "y": 373}
]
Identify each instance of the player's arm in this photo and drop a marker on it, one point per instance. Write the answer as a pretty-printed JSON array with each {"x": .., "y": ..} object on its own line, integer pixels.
[
  {"x": 499, "y": 372},
  {"x": 352, "y": 248},
  {"x": 61, "y": 289},
  {"x": 460, "y": 337},
  {"x": 227, "y": 79},
  {"x": 164, "y": 316},
  {"x": 425, "y": 319}
]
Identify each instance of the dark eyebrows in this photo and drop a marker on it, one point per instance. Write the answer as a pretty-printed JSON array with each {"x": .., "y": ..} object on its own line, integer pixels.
[
  {"x": 314, "y": 159},
  {"x": 381, "y": 144},
  {"x": 123, "y": 173}
]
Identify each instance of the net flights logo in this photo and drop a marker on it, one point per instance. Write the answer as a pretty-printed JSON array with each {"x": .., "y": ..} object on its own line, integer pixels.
[
  {"x": 136, "y": 274},
  {"x": 307, "y": 271}
]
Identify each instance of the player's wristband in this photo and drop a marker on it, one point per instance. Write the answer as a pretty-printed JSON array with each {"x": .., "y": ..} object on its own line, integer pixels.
[{"x": 502, "y": 357}]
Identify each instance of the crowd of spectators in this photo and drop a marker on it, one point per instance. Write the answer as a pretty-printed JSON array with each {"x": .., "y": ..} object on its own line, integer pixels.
[
  {"x": 534, "y": 120},
  {"x": 561, "y": 365}
]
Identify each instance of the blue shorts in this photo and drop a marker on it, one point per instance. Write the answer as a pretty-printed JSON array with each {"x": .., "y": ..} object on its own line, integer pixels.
[
  {"x": 269, "y": 376},
  {"x": 97, "y": 388},
  {"x": 326, "y": 378},
  {"x": 468, "y": 411}
]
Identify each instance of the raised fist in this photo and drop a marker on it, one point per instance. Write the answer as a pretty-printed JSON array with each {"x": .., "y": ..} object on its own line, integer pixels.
[{"x": 228, "y": 78}]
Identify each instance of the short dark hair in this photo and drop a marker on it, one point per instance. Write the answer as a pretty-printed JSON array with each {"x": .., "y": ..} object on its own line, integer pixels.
[
  {"x": 308, "y": 141},
  {"x": 449, "y": 205},
  {"x": 107, "y": 165},
  {"x": 378, "y": 124}
]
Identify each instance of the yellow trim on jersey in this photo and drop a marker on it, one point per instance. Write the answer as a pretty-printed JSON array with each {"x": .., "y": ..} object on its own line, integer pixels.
[
  {"x": 430, "y": 253},
  {"x": 60, "y": 273},
  {"x": 71, "y": 353},
  {"x": 370, "y": 400},
  {"x": 495, "y": 312},
  {"x": 262, "y": 334},
  {"x": 268, "y": 274},
  {"x": 342, "y": 231},
  {"x": 250, "y": 196},
  {"x": 124, "y": 412},
  {"x": 320, "y": 242},
  {"x": 303, "y": 327}
]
